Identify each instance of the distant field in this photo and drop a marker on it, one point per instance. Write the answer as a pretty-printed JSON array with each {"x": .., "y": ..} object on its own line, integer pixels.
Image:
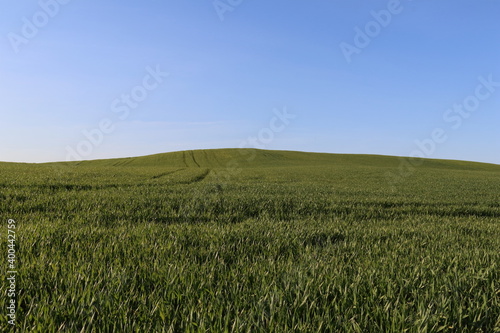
[{"x": 254, "y": 241}]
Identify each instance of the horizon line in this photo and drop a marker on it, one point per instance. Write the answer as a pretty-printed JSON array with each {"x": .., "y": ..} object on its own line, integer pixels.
[{"x": 227, "y": 148}]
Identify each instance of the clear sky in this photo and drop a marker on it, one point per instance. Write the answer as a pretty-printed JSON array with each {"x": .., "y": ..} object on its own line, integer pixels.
[{"x": 405, "y": 77}]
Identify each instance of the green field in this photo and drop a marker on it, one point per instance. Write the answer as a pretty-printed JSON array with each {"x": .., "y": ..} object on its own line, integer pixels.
[{"x": 253, "y": 241}]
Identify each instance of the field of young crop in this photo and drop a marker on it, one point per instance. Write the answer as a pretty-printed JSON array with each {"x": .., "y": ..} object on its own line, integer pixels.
[{"x": 252, "y": 241}]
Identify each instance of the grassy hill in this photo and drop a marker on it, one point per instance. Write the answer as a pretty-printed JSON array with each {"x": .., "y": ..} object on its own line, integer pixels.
[
  {"x": 248, "y": 158},
  {"x": 255, "y": 240}
]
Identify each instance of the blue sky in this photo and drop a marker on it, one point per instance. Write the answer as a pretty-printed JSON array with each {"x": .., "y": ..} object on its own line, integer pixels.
[{"x": 233, "y": 64}]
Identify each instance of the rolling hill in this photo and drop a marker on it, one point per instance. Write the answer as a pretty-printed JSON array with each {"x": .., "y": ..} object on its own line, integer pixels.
[{"x": 246, "y": 158}]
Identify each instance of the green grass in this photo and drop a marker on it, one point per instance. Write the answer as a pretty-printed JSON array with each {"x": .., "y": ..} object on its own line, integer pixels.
[{"x": 254, "y": 241}]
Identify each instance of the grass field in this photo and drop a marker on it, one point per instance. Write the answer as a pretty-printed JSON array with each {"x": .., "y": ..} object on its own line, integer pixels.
[{"x": 253, "y": 241}]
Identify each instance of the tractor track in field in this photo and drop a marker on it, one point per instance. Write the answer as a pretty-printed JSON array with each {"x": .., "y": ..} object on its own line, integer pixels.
[
  {"x": 184, "y": 158},
  {"x": 194, "y": 159},
  {"x": 167, "y": 173},
  {"x": 200, "y": 177},
  {"x": 206, "y": 157}
]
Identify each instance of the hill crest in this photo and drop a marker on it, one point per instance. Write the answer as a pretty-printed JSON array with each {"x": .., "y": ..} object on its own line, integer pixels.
[{"x": 248, "y": 157}]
